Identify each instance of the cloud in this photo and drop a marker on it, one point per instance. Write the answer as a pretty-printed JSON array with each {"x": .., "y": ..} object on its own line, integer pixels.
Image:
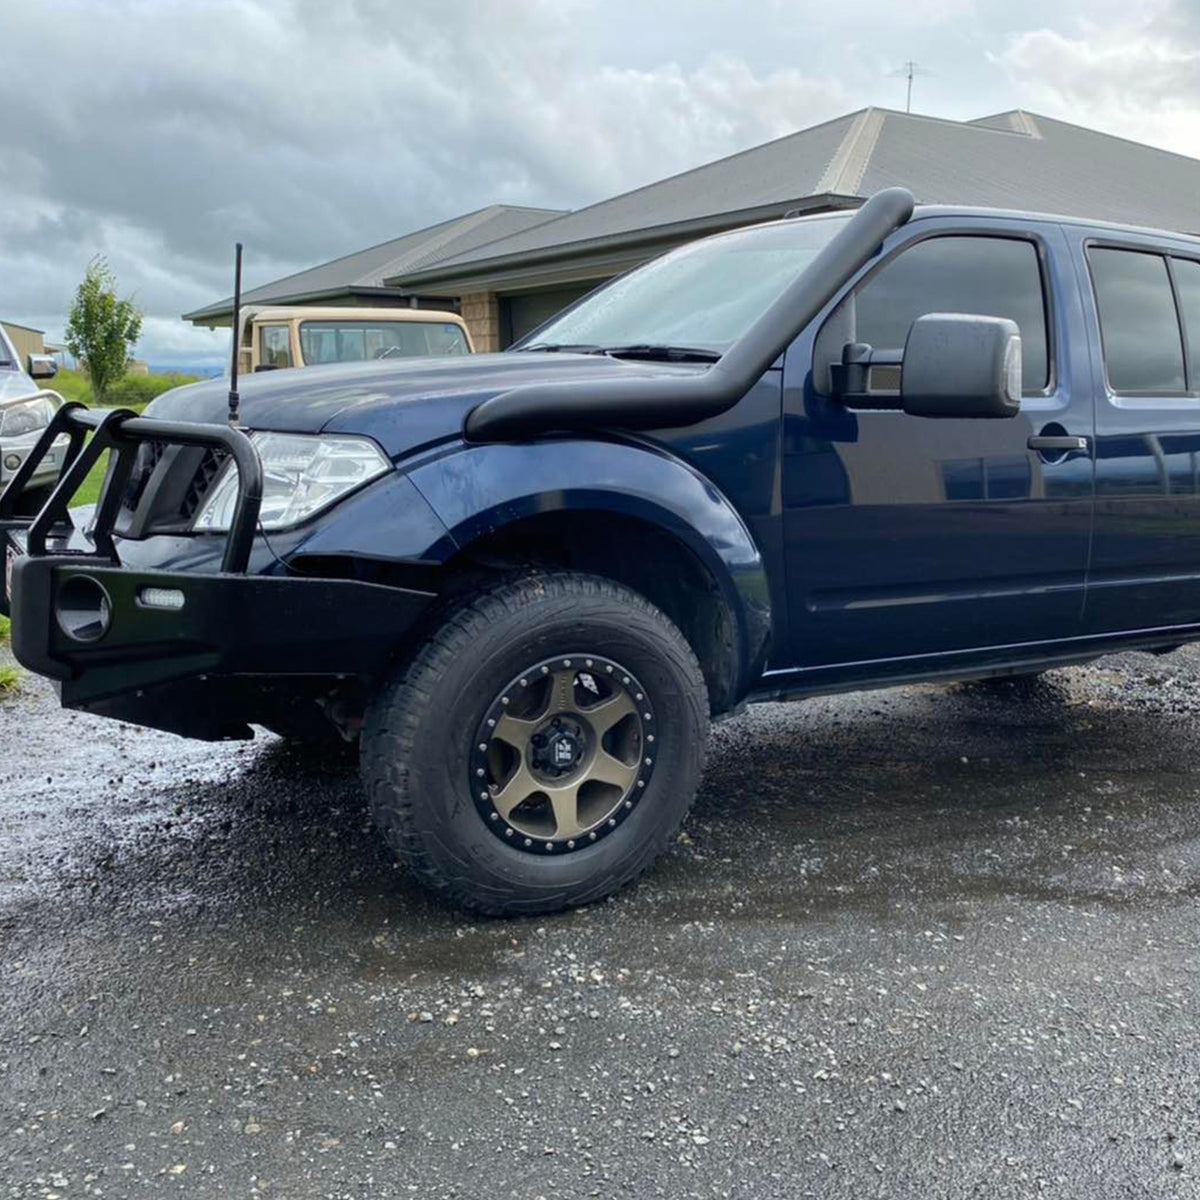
[
  {"x": 158, "y": 133},
  {"x": 1137, "y": 74},
  {"x": 309, "y": 130}
]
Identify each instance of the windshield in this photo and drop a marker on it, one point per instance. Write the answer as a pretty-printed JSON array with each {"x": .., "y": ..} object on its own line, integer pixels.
[
  {"x": 703, "y": 295},
  {"x": 359, "y": 341}
]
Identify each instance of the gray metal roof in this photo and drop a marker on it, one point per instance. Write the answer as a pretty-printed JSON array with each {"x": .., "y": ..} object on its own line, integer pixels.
[
  {"x": 1016, "y": 160},
  {"x": 367, "y": 270},
  {"x": 779, "y": 173}
]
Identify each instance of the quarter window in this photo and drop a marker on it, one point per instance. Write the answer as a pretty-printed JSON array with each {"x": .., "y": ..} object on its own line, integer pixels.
[
  {"x": 984, "y": 276},
  {"x": 274, "y": 346},
  {"x": 1187, "y": 284},
  {"x": 1143, "y": 350}
]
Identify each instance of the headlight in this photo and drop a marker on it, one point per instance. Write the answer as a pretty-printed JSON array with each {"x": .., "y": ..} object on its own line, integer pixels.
[
  {"x": 302, "y": 474},
  {"x": 26, "y": 416}
]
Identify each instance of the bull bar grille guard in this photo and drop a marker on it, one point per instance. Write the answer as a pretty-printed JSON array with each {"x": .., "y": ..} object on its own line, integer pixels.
[{"x": 122, "y": 431}]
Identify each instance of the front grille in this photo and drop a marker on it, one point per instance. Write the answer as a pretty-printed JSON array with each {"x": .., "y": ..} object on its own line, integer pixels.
[
  {"x": 167, "y": 486},
  {"x": 148, "y": 456},
  {"x": 210, "y": 466}
]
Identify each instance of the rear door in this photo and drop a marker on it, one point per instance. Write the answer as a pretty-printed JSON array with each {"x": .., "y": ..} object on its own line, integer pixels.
[
  {"x": 908, "y": 537},
  {"x": 1143, "y": 302}
]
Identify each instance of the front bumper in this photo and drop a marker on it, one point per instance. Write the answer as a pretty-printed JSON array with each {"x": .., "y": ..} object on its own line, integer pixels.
[{"x": 166, "y": 645}]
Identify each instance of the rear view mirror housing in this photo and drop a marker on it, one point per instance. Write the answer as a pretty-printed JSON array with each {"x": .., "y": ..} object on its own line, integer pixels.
[
  {"x": 42, "y": 366},
  {"x": 952, "y": 365},
  {"x": 959, "y": 365}
]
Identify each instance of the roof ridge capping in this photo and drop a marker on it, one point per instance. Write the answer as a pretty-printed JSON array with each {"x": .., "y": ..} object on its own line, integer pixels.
[
  {"x": 846, "y": 167},
  {"x": 1015, "y": 120}
]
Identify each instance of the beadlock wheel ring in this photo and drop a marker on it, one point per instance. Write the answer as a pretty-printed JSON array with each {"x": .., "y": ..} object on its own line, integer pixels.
[{"x": 563, "y": 754}]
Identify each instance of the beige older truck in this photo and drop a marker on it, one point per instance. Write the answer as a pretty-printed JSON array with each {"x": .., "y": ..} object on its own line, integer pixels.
[{"x": 298, "y": 336}]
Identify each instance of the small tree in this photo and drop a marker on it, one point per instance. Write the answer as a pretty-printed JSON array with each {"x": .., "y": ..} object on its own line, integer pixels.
[{"x": 102, "y": 330}]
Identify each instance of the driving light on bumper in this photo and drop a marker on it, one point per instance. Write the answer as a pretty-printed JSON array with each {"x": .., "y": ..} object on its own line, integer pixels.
[
  {"x": 171, "y": 599},
  {"x": 302, "y": 474}
]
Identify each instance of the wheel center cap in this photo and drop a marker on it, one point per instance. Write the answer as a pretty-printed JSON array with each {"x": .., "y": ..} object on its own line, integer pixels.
[
  {"x": 558, "y": 748},
  {"x": 565, "y": 750}
]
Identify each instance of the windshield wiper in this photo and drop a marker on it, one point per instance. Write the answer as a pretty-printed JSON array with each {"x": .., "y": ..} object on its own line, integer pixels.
[
  {"x": 663, "y": 353},
  {"x": 564, "y": 348}
]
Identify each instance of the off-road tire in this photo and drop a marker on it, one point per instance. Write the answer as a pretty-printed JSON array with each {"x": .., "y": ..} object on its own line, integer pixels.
[{"x": 422, "y": 724}]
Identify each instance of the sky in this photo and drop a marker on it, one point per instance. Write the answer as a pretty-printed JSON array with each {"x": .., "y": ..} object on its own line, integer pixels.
[{"x": 158, "y": 132}]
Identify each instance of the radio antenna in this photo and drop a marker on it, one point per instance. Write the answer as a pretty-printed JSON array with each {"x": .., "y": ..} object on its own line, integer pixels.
[{"x": 234, "y": 398}]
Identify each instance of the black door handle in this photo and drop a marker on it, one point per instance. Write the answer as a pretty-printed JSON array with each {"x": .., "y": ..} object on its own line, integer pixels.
[{"x": 1057, "y": 445}]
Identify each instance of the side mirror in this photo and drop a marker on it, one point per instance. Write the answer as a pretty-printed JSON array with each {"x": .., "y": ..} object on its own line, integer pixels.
[
  {"x": 957, "y": 365},
  {"x": 42, "y": 366}
]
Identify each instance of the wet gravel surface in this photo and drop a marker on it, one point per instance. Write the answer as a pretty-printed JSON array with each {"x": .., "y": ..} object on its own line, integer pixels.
[{"x": 929, "y": 942}]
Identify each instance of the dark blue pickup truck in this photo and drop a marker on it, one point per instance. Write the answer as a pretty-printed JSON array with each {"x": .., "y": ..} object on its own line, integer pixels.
[{"x": 838, "y": 452}]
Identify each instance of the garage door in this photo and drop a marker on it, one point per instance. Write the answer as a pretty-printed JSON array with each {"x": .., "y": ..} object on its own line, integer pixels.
[{"x": 522, "y": 314}]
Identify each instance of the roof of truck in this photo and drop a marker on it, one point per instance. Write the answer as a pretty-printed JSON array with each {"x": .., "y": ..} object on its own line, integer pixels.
[
  {"x": 350, "y": 312},
  {"x": 1014, "y": 214}
]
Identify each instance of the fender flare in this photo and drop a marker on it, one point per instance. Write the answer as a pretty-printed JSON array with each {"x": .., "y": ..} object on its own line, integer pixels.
[{"x": 480, "y": 489}]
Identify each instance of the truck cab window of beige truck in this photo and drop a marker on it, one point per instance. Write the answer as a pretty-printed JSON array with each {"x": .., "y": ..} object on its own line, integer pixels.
[
  {"x": 360, "y": 341},
  {"x": 275, "y": 346},
  {"x": 301, "y": 336}
]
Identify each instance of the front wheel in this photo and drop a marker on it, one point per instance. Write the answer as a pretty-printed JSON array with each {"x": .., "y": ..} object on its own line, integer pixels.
[{"x": 542, "y": 746}]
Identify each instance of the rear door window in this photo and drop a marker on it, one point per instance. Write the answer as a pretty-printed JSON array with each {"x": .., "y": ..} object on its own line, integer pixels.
[
  {"x": 1139, "y": 327},
  {"x": 1187, "y": 285}
]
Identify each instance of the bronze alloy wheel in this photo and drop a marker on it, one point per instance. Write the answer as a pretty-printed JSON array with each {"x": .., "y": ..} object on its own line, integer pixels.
[{"x": 563, "y": 754}]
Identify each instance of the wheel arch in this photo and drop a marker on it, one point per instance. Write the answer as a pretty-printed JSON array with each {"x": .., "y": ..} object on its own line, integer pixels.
[{"x": 629, "y": 512}]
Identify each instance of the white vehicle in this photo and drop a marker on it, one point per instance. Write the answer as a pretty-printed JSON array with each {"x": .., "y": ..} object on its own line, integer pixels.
[{"x": 25, "y": 410}]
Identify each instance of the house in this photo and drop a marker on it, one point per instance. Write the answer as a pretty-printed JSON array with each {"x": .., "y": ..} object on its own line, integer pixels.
[
  {"x": 509, "y": 284},
  {"x": 360, "y": 278},
  {"x": 25, "y": 340}
]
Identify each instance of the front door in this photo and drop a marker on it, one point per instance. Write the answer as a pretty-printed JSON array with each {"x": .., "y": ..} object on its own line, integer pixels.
[{"x": 908, "y": 536}]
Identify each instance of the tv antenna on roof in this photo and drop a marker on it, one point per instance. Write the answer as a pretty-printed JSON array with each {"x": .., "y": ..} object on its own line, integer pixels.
[{"x": 909, "y": 70}]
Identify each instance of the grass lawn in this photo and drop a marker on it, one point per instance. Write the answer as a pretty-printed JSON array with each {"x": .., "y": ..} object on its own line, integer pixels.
[
  {"x": 89, "y": 490},
  {"x": 9, "y": 676}
]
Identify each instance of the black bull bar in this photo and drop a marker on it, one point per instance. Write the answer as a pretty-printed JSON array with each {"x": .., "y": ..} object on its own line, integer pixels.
[
  {"x": 227, "y": 622},
  {"x": 121, "y": 431}
]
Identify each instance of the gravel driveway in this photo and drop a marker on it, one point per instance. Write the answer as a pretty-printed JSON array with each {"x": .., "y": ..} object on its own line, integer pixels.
[{"x": 928, "y": 942}]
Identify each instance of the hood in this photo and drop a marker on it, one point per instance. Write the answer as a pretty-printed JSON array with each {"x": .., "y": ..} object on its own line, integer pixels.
[
  {"x": 16, "y": 385},
  {"x": 404, "y": 405}
]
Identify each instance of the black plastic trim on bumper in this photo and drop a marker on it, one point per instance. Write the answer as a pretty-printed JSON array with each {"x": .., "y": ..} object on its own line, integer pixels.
[{"x": 228, "y": 625}]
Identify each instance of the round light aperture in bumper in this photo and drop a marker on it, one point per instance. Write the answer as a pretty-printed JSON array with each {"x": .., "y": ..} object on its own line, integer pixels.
[{"x": 82, "y": 609}]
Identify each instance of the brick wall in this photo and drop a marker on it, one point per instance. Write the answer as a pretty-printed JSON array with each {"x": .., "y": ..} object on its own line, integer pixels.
[{"x": 481, "y": 311}]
